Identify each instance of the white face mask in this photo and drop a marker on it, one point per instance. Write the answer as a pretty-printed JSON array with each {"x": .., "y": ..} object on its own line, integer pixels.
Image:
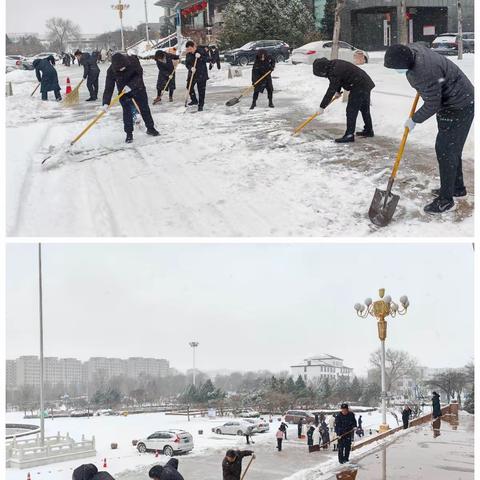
[
  {"x": 123, "y": 69},
  {"x": 401, "y": 70}
]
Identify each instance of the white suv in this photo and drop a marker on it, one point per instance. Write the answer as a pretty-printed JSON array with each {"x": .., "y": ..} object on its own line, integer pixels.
[{"x": 167, "y": 442}]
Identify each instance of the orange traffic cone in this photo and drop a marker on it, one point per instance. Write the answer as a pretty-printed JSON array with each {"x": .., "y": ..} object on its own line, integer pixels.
[
  {"x": 105, "y": 463},
  {"x": 28, "y": 476},
  {"x": 69, "y": 87}
]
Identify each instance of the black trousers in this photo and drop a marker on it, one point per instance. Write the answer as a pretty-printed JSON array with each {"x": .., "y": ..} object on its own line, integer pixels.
[
  {"x": 269, "y": 93},
  {"x": 58, "y": 95},
  {"x": 92, "y": 84},
  {"x": 344, "y": 447},
  {"x": 201, "y": 85},
  {"x": 453, "y": 128},
  {"x": 279, "y": 444},
  {"x": 358, "y": 101},
  {"x": 141, "y": 99},
  {"x": 405, "y": 423}
]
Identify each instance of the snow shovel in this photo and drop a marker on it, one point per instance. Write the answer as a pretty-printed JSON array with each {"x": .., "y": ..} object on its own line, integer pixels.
[
  {"x": 385, "y": 202},
  {"x": 36, "y": 88},
  {"x": 158, "y": 99},
  {"x": 248, "y": 466},
  {"x": 190, "y": 84},
  {"x": 93, "y": 122},
  {"x": 73, "y": 97},
  {"x": 235, "y": 100},
  {"x": 310, "y": 119}
]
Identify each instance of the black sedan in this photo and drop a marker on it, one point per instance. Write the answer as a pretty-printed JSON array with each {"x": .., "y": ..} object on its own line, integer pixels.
[{"x": 279, "y": 50}]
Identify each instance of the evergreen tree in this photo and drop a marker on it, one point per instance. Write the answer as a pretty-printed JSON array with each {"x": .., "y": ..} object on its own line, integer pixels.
[
  {"x": 328, "y": 20},
  {"x": 290, "y": 385},
  {"x": 355, "y": 390},
  {"x": 325, "y": 390},
  {"x": 206, "y": 391},
  {"x": 300, "y": 387},
  {"x": 247, "y": 20}
]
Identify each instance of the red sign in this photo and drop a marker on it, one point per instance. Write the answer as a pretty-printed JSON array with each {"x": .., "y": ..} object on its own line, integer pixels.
[{"x": 195, "y": 8}]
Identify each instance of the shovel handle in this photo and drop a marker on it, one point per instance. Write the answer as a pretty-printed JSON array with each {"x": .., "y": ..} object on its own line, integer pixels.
[
  {"x": 251, "y": 87},
  {"x": 36, "y": 88},
  {"x": 191, "y": 81},
  {"x": 169, "y": 79},
  {"x": 401, "y": 150},
  {"x": 96, "y": 119},
  {"x": 248, "y": 466},
  {"x": 309, "y": 119}
]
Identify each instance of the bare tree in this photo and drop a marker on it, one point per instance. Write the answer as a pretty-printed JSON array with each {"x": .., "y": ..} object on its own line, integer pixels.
[
  {"x": 336, "y": 28},
  {"x": 397, "y": 364},
  {"x": 402, "y": 22},
  {"x": 452, "y": 382},
  {"x": 460, "y": 29},
  {"x": 60, "y": 31}
]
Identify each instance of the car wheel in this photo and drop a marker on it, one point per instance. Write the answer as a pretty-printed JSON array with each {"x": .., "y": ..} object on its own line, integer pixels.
[
  {"x": 219, "y": 432},
  {"x": 168, "y": 451},
  {"x": 141, "y": 447},
  {"x": 280, "y": 58},
  {"x": 242, "y": 61},
  {"x": 239, "y": 433}
]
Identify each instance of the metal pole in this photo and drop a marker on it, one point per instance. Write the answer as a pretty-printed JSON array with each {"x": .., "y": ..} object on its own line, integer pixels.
[
  {"x": 121, "y": 30},
  {"x": 146, "y": 22},
  {"x": 178, "y": 18},
  {"x": 460, "y": 29},
  {"x": 384, "y": 393},
  {"x": 193, "y": 365},
  {"x": 40, "y": 303},
  {"x": 336, "y": 29}
]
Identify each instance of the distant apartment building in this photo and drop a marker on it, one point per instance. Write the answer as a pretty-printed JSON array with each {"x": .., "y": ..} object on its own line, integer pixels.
[
  {"x": 320, "y": 367},
  {"x": 25, "y": 370}
]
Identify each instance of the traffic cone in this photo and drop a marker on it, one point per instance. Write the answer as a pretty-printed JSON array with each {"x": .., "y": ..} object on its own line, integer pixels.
[
  {"x": 105, "y": 463},
  {"x": 28, "y": 476},
  {"x": 69, "y": 86},
  {"x": 156, "y": 454}
]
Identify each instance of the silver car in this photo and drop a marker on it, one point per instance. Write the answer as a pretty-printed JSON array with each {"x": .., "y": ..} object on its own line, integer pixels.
[
  {"x": 235, "y": 427},
  {"x": 323, "y": 49}
]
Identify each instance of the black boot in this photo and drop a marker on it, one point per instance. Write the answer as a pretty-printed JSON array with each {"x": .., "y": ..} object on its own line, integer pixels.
[
  {"x": 458, "y": 192},
  {"x": 89, "y": 99},
  {"x": 170, "y": 99},
  {"x": 193, "y": 102},
  {"x": 346, "y": 139},
  {"x": 254, "y": 104},
  {"x": 270, "y": 102},
  {"x": 200, "y": 108},
  {"x": 366, "y": 134},
  {"x": 152, "y": 132},
  {"x": 439, "y": 205},
  {"x": 129, "y": 138}
]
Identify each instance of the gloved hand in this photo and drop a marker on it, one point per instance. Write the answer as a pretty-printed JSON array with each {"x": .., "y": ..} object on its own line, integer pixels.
[
  {"x": 321, "y": 110},
  {"x": 103, "y": 109},
  {"x": 410, "y": 124},
  {"x": 193, "y": 70},
  {"x": 197, "y": 55},
  {"x": 127, "y": 89},
  {"x": 337, "y": 95}
]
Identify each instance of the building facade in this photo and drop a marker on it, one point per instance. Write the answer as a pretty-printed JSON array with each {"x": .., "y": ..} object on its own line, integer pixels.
[
  {"x": 373, "y": 24},
  {"x": 320, "y": 367}
]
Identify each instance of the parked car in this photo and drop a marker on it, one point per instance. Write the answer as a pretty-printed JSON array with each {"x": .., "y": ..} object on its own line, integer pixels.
[
  {"x": 294, "y": 416},
  {"x": 323, "y": 49},
  {"x": 242, "y": 56},
  {"x": 447, "y": 44},
  {"x": 234, "y": 427},
  {"x": 168, "y": 442},
  {"x": 56, "y": 56},
  {"x": 12, "y": 63},
  {"x": 261, "y": 426},
  {"x": 248, "y": 414},
  {"x": 469, "y": 39}
]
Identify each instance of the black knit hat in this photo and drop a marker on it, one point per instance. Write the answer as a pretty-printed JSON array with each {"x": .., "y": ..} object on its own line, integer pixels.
[
  {"x": 85, "y": 472},
  {"x": 320, "y": 67},
  {"x": 399, "y": 56},
  {"x": 118, "y": 61},
  {"x": 155, "y": 471}
]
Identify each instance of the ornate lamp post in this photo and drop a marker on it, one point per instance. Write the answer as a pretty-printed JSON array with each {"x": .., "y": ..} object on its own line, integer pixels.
[
  {"x": 194, "y": 345},
  {"x": 120, "y": 7},
  {"x": 381, "y": 309}
]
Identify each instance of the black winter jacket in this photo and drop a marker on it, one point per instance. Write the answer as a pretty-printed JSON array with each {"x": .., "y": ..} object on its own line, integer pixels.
[
  {"x": 168, "y": 472},
  {"x": 344, "y": 75},
  {"x": 201, "y": 73},
  {"x": 345, "y": 423},
  {"x": 440, "y": 83},
  {"x": 89, "y": 64},
  {"x": 233, "y": 470},
  {"x": 259, "y": 70},
  {"x": 132, "y": 77},
  {"x": 46, "y": 74}
]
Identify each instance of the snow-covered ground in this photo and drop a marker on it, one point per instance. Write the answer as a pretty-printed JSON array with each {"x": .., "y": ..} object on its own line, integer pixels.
[
  {"x": 226, "y": 171},
  {"x": 209, "y": 447}
]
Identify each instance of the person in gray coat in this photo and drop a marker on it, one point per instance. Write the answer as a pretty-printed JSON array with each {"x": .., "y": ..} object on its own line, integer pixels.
[{"x": 447, "y": 93}]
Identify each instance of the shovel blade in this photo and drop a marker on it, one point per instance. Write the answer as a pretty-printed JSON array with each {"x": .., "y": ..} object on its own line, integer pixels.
[
  {"x": 382, "y": 208},
  {"x": 232, "y": 102}
]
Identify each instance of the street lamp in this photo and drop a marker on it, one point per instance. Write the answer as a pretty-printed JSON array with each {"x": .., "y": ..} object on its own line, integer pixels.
[
  {"x": 194, "y": 345},
  {"x": 381, "y": 309},
  {"x": 120, "y": 7},
  {"x": 40, "y": 308}
]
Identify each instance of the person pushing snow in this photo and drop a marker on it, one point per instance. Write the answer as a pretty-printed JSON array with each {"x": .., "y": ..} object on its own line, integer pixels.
[
  {"x": 126, "y": 71},
  {"x": 264, "y": 63},
  {"x": 168, "y": 472},
  {"x": 47, "y": 76},
  {"x": 448, "y": 94},
  {"x": 89, "y": 471},
  {"x": 232, "y": 463}
]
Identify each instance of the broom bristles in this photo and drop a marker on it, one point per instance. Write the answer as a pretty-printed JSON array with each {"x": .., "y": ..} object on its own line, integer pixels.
[{"x": 73, "y": 98}]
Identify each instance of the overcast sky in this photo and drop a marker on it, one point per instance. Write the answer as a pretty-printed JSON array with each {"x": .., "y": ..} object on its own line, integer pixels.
[
  {"x": 93, "y": 16},
  {"x": 250, "y": 306}
]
